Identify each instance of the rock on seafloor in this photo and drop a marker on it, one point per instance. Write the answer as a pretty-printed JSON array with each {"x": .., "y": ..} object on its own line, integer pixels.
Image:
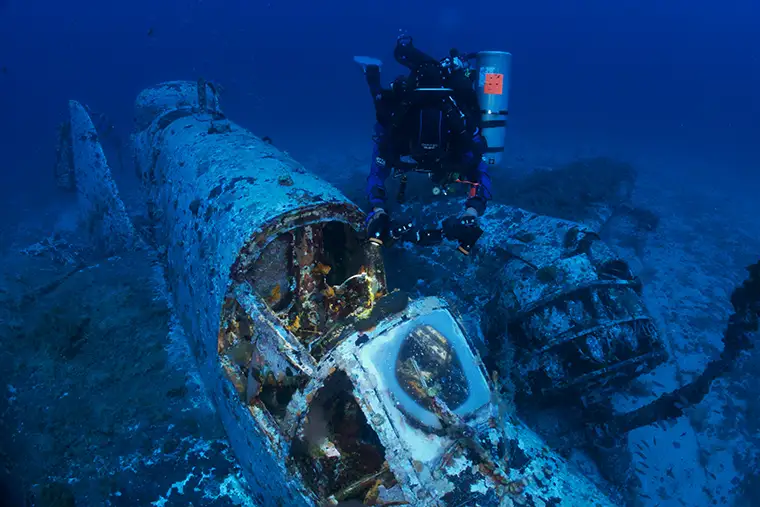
[{"x": 103, "y": 405}]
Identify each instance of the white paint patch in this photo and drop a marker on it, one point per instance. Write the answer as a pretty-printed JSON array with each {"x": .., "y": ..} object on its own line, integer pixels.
[
  {"x": 178, "y": 486},
  {"x": 233, "y": 488},
  {"x": 458, "y": 465},
  {"x": 479, "y": 487}
]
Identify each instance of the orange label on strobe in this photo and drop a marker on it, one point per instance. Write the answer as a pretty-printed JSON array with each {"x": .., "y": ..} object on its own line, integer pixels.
[{"x": 494, "y": 84}]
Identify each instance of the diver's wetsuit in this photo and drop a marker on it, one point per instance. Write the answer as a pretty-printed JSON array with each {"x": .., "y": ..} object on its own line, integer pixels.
[{"x": 461, "y": 145}]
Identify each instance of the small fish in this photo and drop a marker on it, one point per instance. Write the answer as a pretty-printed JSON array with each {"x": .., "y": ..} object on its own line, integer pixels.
[
  {"x": 711, "y": 474},
  {"x": 670, "y": 472},
  {"x": 150, "y": 32},
  {"x": 654, "y": 440},
  {"x": 644, "y": 442},
  {"x": 643, "y": 456},
  {"x": 644, "y": 495},
  {"x": 683, "y": 434},
  {"x": 658, "y": 384},
  {"x": 644, "y": 465}
]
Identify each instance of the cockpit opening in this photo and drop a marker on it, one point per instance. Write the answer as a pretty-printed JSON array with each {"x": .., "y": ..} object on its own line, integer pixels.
[
  {"x": 337, "y": 451},
  {"x": 314, "y": 277},
  {"x": 259, "y": 373},
  {"x": 306, "y": 283}
]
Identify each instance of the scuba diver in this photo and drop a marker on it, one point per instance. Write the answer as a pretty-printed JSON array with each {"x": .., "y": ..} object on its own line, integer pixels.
[{"x": 427, "y": 122}]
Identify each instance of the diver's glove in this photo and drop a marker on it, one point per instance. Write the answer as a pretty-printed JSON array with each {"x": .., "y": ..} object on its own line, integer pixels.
[
  {"x": 464, "y": 229},
  {"x": 402, "y": 231},
  {"x": 378, "y": 227}
]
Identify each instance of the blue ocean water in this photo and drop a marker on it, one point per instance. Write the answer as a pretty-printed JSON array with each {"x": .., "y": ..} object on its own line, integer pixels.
[{"x": 671, "y": 88}]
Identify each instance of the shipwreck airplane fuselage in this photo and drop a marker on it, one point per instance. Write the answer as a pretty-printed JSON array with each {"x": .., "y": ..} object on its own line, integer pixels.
[{"x": 330, "y": 386}]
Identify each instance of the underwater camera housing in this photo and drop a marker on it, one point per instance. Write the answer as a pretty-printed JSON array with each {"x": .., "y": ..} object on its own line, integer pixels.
[{"x": 491, "y": 79}]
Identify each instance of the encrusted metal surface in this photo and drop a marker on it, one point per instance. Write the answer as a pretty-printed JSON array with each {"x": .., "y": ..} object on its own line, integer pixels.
[
  {"x": 172, "y": 96},
  {"x": 574, "y": 310},
  {"x": 102, "y": 211}
]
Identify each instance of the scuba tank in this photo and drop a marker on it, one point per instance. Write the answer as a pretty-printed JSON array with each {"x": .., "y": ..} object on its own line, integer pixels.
[{"x": 494, "y": 69}]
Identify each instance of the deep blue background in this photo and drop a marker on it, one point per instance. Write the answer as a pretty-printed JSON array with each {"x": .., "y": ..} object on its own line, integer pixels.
[{"x": 677, "y": 77}]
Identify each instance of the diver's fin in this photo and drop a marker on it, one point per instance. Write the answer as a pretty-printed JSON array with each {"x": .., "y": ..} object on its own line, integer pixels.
[
  {"x": 366, "y": 61},
  {"x": 102, "y": 212}
]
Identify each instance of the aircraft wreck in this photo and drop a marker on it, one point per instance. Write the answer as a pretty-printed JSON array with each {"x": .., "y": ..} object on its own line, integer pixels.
[{"x": 331, "y": 385}]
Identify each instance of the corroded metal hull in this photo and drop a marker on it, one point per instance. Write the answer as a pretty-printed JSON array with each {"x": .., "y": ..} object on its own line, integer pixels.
[
  {"x": 573, "y": 310},
  {"x": 302, "y": 346}
]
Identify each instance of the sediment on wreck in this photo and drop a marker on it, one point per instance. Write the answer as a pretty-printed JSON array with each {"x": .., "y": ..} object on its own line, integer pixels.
[{"x": 240, "y": 223}]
